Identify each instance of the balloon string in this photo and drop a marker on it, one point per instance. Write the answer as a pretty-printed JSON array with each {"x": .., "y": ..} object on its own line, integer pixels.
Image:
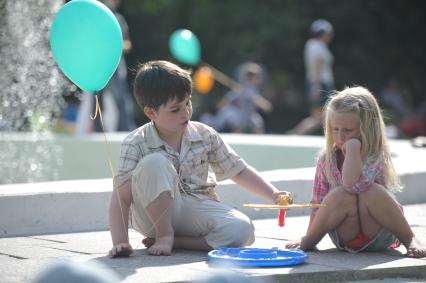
[
  {"x": 99, "y": 111},
  {"x": 221, "y": 77}
]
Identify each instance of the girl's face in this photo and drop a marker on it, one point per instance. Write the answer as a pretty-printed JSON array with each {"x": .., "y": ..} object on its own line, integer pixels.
[
  {"x": 173, "y": 117},
  {"x": 344, "y": 126}
]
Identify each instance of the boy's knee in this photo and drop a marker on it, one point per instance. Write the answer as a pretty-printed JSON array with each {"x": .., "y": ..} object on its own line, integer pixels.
[
  {"x": 153, "y": 161},
  {"x": 151, "y": 164},
  {"x": 153, "y": 174},
  {"x": 241, "y": 233}
]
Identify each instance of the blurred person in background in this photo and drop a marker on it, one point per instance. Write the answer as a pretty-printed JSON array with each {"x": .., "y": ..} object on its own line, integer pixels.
[
  {"x": 319, "y": 75},
  {"x": 394, "y": 106},
  {"x": 239, "y": 110},
  {"x": 405, "y": 121}
]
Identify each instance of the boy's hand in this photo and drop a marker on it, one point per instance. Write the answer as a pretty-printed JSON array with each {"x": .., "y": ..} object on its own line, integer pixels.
[
  {"x": 121, "y": 250},
  {"x": 286, "y": 195}
]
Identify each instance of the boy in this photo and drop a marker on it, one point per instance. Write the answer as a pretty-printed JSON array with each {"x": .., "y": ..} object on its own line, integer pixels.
[{"x": 164, "y": 176}]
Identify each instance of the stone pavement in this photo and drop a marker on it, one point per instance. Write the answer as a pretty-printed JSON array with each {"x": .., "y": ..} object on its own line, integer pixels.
[{"x": 22, "y": 258}]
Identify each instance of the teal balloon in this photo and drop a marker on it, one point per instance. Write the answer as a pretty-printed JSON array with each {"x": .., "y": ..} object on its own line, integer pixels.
[
  {"x": 86, "y": 42},
  {"x": 185, "y": 46}
]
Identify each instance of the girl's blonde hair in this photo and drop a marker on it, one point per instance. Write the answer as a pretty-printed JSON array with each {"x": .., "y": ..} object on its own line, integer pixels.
[{"x": 374, "y": 145}]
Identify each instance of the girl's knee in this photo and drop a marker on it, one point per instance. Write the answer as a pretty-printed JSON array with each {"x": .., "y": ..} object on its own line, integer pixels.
[
  {"x": 342, "y": 201},
  {"x": 374, "y": 193},
  {"x": 339, "y": 196}
]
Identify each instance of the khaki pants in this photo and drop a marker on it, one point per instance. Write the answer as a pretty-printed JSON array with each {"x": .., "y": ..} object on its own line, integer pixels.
[{"x": 220, "y": 224}]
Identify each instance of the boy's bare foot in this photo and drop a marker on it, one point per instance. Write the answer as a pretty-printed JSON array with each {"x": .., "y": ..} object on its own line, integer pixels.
[
  {"x": 148, "y": 242},
  {"x": 416, "y": 249},
  {"x": 162, "y": 246}
]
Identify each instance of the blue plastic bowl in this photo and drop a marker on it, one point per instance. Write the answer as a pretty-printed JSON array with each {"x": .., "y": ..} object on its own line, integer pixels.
[{"x": 255, "y": 257}]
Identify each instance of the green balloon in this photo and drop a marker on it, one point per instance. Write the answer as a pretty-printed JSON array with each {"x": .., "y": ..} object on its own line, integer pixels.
[
  {"x": 86, "y": 42},
  {"x": 185, "y": 46}
]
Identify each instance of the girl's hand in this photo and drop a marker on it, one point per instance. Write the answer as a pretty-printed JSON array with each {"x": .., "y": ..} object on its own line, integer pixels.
[
  {"x": 121, "y": 250},
  {"x": 276, "y": 197},
  {"x": 294, "y": 244},
  {"x": 352, "y": 146}
]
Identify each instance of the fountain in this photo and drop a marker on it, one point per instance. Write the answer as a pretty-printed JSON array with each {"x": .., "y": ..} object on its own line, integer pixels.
[
  {"x": 32, "y": 89},
  {"x": 32, "y": 94}
]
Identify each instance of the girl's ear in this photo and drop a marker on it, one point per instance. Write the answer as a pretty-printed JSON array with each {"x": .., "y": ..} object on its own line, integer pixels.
[{"x": 150, "y": 112}]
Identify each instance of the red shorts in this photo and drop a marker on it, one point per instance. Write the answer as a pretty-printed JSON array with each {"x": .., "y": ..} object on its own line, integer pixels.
[{"x": 358, "y": 242}]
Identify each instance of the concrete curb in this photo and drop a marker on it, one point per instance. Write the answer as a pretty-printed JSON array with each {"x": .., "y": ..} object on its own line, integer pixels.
[
  {"x": 82, "y": 205},
  {"x": 23, "y": 257},
  {"x": 351, "y": 275}
]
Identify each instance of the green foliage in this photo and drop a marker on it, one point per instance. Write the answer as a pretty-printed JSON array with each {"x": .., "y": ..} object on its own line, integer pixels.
[{"x": 374, "y": 41}]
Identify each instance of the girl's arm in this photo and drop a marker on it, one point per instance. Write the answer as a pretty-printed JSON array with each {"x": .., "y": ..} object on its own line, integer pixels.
[
  {"x": 250, "y": 179},
  {"x": 311, "y": 219},
  {"x": 352, "y": 165},
  {"x": 358, "y": 175}
]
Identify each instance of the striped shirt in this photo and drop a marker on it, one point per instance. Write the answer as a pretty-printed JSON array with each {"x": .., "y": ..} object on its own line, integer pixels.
[{"x": 203, "y": 160}]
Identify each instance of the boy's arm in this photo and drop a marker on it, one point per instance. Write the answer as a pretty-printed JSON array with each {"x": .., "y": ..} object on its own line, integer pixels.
[
  {"x": 119, "y": 219},
  {"x": 250, "y": 179}
]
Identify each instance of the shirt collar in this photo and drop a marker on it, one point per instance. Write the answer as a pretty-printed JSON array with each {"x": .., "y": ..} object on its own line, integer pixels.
[
  {"x": 154, "y": 140},
  {"x": 191, "y": 134}
]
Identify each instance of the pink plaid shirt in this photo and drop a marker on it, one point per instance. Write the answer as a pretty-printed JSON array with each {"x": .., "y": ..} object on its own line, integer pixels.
[{"x": 372, "y": 172}]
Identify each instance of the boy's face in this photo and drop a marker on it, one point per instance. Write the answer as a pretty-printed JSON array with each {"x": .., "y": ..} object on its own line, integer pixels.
[{"x": 173, "y": 117}]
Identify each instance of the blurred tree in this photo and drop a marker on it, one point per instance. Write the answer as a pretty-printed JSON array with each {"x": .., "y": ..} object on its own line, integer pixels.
[{"x": 374, "y": 40}]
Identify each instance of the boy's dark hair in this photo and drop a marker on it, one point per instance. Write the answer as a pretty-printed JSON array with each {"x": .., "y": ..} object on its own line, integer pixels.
[{"x": 157, "y": 82}]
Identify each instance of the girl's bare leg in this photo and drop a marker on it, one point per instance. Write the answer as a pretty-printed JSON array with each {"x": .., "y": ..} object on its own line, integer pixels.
[
  {"x": 159, "y": 212},
  {"x": 339, "y": 213},
  {"x": 379, "y": 209}
]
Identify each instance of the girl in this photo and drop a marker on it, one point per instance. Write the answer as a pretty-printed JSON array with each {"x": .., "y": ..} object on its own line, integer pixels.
[{"x": 355, "y": 179}]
